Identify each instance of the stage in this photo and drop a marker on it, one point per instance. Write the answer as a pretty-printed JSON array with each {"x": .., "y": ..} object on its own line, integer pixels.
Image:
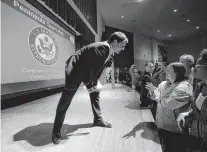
[{"x": 28, "y": 127}]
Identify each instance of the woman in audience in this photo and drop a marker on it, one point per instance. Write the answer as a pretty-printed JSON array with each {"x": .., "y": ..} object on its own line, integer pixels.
[
  {"x": 196, "y": 118},
  {"x": 172, "y": 96}
]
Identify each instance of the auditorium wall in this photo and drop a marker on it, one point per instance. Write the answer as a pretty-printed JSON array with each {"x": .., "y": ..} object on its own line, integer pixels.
[
  {"x": 145, "y": 49},
  {"x": 192, "y": 45}
]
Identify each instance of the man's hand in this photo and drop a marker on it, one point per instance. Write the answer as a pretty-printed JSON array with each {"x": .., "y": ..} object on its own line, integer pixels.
[{"x": 68, "y": 69}]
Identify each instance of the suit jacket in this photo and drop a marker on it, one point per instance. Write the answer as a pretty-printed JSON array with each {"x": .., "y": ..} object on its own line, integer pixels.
[
  {"x": 146, "y": 77},
  {"x": 90, "y": 61}
]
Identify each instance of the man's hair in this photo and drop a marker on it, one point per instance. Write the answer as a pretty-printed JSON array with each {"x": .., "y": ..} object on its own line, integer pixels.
[
  {"x": 203, "y": 58},
  {"x": 146, "y": 64},
  {"x": 119, "y": 36},
  {"x": 180, "y": 71},
  {"x": 188, "y": 58}
]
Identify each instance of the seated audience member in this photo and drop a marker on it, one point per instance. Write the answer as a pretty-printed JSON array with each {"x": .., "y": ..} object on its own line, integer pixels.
[
  {"x": 158, "y": 75},
  {"x": 162, "y": 76},
  {"x": 146, "y": 78},
  {"x": 188, "y": 61},
  {"x": 195, "y": 120},
  {"x": 172, "y": 96},
  {"x": 156, "y": 68}
]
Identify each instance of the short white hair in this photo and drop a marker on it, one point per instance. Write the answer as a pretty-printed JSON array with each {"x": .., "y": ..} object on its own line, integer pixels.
[{"x": 188, "y": 58}]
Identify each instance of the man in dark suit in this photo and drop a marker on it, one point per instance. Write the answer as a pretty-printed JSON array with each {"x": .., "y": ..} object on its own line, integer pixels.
[
  {"x": 86, "y": 66},
  {"x": 146, "y": 78}
]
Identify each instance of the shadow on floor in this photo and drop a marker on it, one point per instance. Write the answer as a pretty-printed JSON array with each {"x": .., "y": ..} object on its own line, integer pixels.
[
  {"x": 149, "y": 131},
  {"x": 41, "y": 135},
  {"x": 129, "y": 90},
  {"x": 133, "y": 105}
]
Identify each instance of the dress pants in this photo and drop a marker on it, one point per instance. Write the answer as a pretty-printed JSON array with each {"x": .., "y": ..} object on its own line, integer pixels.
[{"x": 74, "y": 76}]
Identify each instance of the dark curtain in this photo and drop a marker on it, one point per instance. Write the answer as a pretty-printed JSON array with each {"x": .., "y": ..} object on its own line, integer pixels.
[
  {"x": 67, "y": 13},
  {"x": 89, "y": 10}
]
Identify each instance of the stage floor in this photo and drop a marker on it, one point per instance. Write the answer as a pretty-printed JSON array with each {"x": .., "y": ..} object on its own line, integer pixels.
[{"x": 27, "y": 128}]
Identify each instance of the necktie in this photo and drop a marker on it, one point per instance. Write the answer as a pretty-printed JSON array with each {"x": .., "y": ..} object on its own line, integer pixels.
[{"x": 112, "y": 74}]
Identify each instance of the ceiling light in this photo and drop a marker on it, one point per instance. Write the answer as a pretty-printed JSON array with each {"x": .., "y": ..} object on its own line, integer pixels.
[
  {"x": 188, "y": 20},
  {"x": 122, "y": 16},
  {"x": 170, "y": 35},
  {"x": 175, "y": 10},
  {"x": 158, "y": 31},
  {"x": 197, "y": 27}
]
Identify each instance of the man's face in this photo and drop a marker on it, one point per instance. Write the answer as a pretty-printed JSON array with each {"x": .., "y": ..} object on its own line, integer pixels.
[
  {"x": 200, "y": 70},
  {"x": 150, "y": 68},
  {"x": 184, "y": 62},
  {"x": 118, "y": 47},
  {"x": 136, "y": 72}
]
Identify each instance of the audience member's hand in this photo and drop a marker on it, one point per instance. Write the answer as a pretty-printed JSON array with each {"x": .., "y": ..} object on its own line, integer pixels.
[
  {"x": 181, "y": 120},
  {"x": 134, "y": 65},
  {"x": 150, "y": 86}
]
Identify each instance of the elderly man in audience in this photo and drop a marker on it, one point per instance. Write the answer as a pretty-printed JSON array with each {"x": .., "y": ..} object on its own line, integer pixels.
[
  {"x": 188, "y": 61},
  {"x": 173, "y": 96},
  {"x": 195, "y": 120}
]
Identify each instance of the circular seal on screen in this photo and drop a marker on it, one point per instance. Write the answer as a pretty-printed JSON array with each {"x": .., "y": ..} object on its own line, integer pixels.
[
  {"x": 72, "y": 40},
  {"x": 43, "y": 46}
]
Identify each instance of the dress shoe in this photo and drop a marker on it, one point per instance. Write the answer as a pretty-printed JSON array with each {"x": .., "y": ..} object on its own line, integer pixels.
[
  {"x": 56, "y": 138},
  {"x": 102, "y": 123}
]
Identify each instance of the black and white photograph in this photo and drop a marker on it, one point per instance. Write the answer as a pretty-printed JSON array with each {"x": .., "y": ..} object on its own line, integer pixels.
[{"x": 103, "y": 75}]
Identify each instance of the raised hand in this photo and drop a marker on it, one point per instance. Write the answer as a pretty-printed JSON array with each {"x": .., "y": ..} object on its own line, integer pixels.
[{"x": 150, "y": 86}]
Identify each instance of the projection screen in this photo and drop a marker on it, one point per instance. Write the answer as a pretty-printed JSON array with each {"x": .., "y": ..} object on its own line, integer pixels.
[{"x": 34, "y": 49}]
